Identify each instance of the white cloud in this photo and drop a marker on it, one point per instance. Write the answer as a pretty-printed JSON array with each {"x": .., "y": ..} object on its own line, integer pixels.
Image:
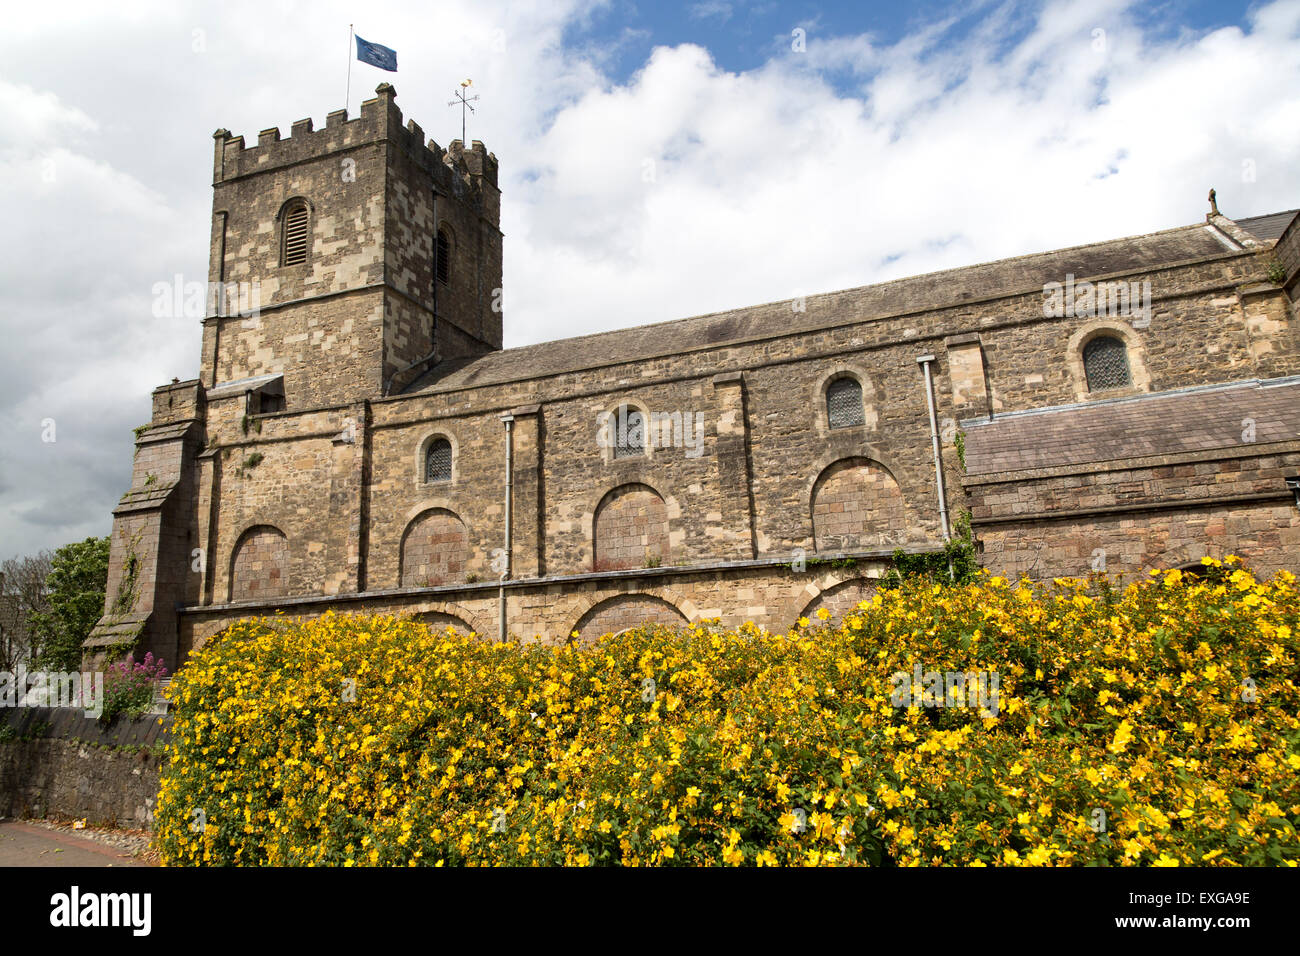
[
  {"x": 711, "y": 9},
  {"x": 953, "y": 153}
]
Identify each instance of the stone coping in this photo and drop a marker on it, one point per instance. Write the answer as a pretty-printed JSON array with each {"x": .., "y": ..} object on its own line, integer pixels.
[
  {"x": 1131, "y": 464},
  {"x": 71, "y": 723},
  {"x": 563, "y": 580},
  {"x": 1170, "y": 504}
]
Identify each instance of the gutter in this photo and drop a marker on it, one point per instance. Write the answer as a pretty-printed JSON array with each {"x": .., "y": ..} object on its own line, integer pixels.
[
  {"x": 509, "y": 420},
  {"x": 924, "y": 361}
]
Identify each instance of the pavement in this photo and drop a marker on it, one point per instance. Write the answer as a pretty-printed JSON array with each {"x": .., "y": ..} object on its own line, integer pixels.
[{"x": 22, "y": 844}]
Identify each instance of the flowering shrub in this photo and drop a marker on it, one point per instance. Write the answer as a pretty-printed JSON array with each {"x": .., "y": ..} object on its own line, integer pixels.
[
  {"x": 129, "y": 686},
  {"x": 1153, "y": 726}
]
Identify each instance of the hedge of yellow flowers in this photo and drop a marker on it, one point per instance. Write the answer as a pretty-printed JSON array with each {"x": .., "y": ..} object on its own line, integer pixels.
[{"x": 1156, "y": 725}]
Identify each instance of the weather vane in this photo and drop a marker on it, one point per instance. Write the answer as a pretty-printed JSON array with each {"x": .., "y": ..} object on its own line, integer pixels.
[{"x": 464, "y": 102}]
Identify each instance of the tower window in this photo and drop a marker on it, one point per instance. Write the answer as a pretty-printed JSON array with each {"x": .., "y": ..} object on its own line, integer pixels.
[
  {"x": 629, "y": 440},
  {"x": 442, "y": 257},
  {"x": 844, "y": 403},
  {"x": 268, "y": 402},
  {"x": 437, "y": 461},
  {"x": 294, "y": 250},
  {"x": 1105, "y": 362}
]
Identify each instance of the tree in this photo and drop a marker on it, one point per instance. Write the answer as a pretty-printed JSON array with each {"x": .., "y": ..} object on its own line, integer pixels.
[
  {"x": 22, "y": 594},
  {"x": 77, "y": 582}
]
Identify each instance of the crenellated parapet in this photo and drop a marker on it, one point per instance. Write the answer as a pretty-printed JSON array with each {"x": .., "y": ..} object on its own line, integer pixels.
[{"x": 380, "y": 121}]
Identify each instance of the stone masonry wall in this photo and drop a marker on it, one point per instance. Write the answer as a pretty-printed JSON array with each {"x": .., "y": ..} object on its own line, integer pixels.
[
  {"x": 261, "y": 565},
  {"x": 341, "y": 324},
  {"x": 631, "y": 529},
  {"x": 784, "y": 452},
  {"x": 1125, "y": 520},
  {"x": 772, "y": 594},
  {"x": 718, "y": 508},
  {"x": 858, "y": 505},
  {"x": 65, "y": 765},
  {"x": 1266, "y": 536},
  {"x": 434, "y": 550},
  {"x": 618, "y": 614}
]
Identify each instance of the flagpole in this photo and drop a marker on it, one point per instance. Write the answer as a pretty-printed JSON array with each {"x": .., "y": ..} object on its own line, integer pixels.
[{"x": 347, "y": 97}]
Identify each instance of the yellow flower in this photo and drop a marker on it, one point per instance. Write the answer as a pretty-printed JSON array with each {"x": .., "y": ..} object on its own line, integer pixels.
[
  {"x": 1039, "y": 856},
  {"x": 1123, "y": 735},
  {"x": 560, "y": 738}
]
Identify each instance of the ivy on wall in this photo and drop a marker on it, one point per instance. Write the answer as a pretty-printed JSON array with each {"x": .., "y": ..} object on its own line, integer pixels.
[{"x": 955, "y": 564}]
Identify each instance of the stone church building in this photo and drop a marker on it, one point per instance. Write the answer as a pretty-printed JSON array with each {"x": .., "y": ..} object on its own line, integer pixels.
[{"x": 362, "y": 442}]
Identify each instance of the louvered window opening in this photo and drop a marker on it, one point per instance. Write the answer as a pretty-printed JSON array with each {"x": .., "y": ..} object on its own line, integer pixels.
[
  {"x": 442, "y": 260},
  {"x": 844, "y": 403},
  {"x": 437, "y": 461},
  {"x": 1105, "y": 361},
  {"x": 629, "y": 442},
  {"x": 295, "y": 236}
]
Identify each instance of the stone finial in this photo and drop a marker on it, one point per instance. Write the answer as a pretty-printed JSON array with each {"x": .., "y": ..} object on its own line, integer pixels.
[
  {"x": 222, "y": 133},
  {"x": 386, "y": 89},
  {"x": 1214, "y": 206}
]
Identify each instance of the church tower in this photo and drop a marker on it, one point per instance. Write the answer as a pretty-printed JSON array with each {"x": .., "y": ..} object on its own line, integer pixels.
[{"x": 346, "y": 261}]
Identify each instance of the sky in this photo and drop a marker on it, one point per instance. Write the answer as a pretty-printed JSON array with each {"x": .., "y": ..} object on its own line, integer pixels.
[{"x": 658, "y": 160}]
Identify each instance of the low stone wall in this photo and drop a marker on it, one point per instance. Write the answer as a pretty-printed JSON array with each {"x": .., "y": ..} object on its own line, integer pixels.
[
  {"x": 58, "y": 762},
  {"x": 773, "y": 592}
]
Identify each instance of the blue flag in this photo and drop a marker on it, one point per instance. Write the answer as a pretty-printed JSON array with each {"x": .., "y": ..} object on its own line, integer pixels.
[{"x": 376, "y": 55}]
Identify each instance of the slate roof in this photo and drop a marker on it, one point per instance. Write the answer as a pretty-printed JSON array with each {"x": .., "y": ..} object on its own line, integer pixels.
[
  {"x": 241, "y": 385},
  {"x": 1164, "y": 423},
  {"x": 1268, "y": 228},
  {"x": 1018, "y": 275}
]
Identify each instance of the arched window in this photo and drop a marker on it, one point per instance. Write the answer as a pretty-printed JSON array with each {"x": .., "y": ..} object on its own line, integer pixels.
[
  {"x": 435, "y": 550},
  {"x": 293, "y": 245},
  {"x": 437, "y": 460},
  {"x": 629, "y": 437},
  {"x": 631, "y": 529},
  {"x": 259, "y": 567},
  {"x": 844, "y": 403},
  {"x": 442, "y": 256},
  {"x": 1105, "y": 362}
]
